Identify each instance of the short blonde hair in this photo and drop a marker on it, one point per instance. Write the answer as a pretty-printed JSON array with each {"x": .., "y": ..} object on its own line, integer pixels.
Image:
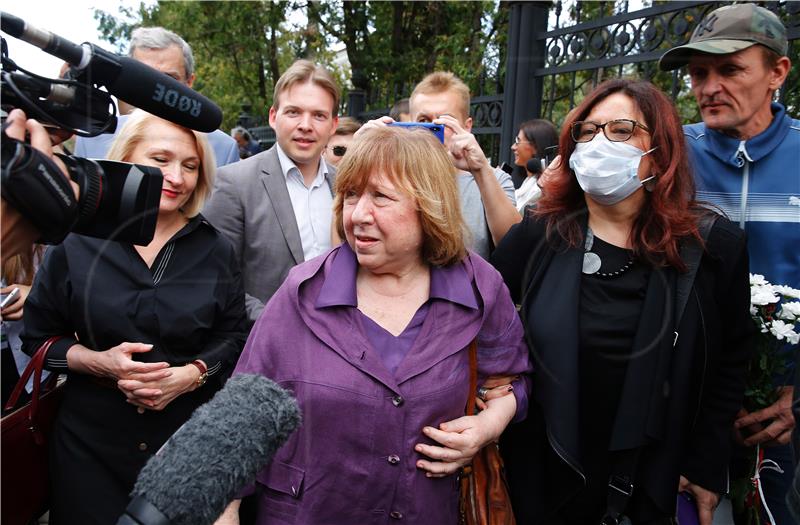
[
  {"x": 441, "y": 81},
  {"x": 135, "y": 130},
  {"x": 418, "y": 165},
  {"x": 303, "y": 71}
]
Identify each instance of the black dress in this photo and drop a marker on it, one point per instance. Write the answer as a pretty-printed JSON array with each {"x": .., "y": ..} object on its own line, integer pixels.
[{"x": 189, "y": 305}]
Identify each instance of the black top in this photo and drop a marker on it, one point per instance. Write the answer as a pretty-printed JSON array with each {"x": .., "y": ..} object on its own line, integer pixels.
[
  {"x": 609, "y": 313},
  {"x": 189, "y": 304},
  {"x": 682, "y": 399}
]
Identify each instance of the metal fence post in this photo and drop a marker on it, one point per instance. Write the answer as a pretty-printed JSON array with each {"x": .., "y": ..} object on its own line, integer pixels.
[
  {"x": 356, "y": 102},
  {"x": 523, "y": 91}
]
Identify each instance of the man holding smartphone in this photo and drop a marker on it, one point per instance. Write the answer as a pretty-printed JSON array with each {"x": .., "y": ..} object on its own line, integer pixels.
[{"x": 487, "y": 194}]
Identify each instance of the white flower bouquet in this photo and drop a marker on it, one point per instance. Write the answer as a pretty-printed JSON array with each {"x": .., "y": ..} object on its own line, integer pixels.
[{"x": 775, "y": 310}]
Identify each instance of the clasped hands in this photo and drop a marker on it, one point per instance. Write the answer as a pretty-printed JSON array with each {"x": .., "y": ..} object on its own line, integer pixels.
[
  {"x": 149, "y": 386},
  {"x": 460, "y": 439}
]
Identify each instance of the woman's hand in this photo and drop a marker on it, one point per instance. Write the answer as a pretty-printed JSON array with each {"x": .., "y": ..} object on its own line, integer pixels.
[
  {"x": 705, "y": 500},
  {"x": 156, "y": 394},
  {"x": 116, "y": 362},
  {"x": 13, "y": 312},
  {"x": 462, "y": 438},
  {"x": 493, "y": 388}
]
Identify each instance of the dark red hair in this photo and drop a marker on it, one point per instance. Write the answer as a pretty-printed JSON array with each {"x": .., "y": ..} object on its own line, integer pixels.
[{"x": 670, "y": 211}]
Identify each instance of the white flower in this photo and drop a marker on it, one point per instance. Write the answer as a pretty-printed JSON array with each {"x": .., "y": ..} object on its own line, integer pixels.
[
  {"x": 783, "y": 331},
  {"x": 790, "y": 311},
  {"x": 758, "y": 280},
  {"x": 787, "y": 291},
  {"x": 762, "y": 294}
]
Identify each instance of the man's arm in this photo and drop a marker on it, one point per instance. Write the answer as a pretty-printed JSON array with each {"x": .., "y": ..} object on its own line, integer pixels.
[
  {"x": 497, "y": 191},
  {"x": 225, "y": 211}
]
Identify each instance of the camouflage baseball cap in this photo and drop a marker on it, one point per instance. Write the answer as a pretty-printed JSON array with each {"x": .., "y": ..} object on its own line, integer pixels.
[{"x": 727, "y": 30}]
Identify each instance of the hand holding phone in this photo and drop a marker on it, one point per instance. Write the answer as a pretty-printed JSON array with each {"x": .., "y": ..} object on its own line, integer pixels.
[
  {"x": 436, "y": 129},
  {"x": 10, "y": 298}
]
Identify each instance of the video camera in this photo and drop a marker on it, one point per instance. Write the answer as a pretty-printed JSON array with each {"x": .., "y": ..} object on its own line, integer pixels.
[{"x": 118, "y": 200}]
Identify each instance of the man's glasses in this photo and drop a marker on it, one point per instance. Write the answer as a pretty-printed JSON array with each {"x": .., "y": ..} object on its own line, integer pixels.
[
  {"x": 339, "y": 150},
  {"x": 618, "y": 130}
]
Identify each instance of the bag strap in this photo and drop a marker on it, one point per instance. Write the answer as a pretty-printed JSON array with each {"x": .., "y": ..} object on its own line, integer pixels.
[
  {"x": 691, "y": 253},
  {"x": 473, "y": 377},
  {"x": 34, "y": 368},
  {"x": 620, "y": 483}
]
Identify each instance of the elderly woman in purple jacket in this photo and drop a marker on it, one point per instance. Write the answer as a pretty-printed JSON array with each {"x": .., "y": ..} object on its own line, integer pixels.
[{"x": 373, "y": 339}]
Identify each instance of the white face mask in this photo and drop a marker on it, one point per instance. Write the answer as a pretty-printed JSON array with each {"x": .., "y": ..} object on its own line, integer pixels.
[{"x": 607, "y": 171}]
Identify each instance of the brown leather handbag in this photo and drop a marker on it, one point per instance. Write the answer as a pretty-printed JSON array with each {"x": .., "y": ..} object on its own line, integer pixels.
[
  {"x": 25, "y": 474},
  {"x": 484, "y": 491}
]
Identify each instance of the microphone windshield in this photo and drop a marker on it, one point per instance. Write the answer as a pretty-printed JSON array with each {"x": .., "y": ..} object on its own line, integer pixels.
[
  {"x": 534, "y": 165},
  {"x": 142, "y": 86},
  {"x": 218, "y": 451}
]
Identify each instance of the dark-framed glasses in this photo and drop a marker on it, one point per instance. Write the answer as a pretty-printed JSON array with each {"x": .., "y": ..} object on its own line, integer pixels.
[
  {"x": 618, "y": 130},
  {"x": 339, "y": 150}
]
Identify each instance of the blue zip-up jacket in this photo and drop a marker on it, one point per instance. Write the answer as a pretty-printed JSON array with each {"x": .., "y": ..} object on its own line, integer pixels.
[{"x": 756, "y": 183}]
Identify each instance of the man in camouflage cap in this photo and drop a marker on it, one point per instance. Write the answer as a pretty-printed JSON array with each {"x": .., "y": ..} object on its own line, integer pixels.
[{"x": 746, "y": 159}]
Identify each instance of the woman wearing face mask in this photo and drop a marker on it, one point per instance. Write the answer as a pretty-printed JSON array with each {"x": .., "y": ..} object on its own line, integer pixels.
[
  {"x": 532, "y": 141},
  {"x": 636, "y": 395}
]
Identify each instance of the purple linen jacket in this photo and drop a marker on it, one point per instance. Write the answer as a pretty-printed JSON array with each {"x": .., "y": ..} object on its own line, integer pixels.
[{"x": 352, "y": 460}]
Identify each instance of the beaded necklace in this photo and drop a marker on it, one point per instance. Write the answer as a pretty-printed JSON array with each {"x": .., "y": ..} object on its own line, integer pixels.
[{"x": 592, "y": 262}]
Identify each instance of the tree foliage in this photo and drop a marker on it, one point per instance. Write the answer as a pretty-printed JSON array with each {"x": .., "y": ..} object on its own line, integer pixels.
[{"x": 241, "y": 48}]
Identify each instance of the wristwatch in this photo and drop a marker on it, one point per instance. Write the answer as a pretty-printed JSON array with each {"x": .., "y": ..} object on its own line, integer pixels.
[{"x": 203, "y": 372}]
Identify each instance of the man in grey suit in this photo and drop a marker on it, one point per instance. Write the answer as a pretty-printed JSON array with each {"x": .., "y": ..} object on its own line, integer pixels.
[{"x": 276, "y": 206}]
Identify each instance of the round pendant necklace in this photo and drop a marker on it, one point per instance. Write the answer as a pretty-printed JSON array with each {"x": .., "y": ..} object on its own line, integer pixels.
[{"x": 592, "y": 262}]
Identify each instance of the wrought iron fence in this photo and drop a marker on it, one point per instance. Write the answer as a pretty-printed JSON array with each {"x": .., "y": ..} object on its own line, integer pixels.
[
  {"x": 619, "y": 43},
  {"x": 559, "y": 51}
]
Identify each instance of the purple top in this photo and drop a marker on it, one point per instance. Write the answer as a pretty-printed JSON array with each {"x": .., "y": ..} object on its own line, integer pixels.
[
  {"x": 352, "y": 460},
  {"x": 449, "y": 284}
]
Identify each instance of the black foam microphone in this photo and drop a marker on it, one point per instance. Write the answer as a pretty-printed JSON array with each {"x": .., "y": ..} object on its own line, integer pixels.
[
  {"x": 124, "y": 77},
  {"x": 214, "y": 455},
  {"x": 534, "y": 165}
]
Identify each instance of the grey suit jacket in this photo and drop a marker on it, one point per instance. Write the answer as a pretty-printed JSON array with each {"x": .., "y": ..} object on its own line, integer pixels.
[{"x": 250, "y": 204}]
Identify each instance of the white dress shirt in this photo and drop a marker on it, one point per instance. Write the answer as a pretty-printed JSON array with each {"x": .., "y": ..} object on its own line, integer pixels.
[{"x": 313, "y": 207}]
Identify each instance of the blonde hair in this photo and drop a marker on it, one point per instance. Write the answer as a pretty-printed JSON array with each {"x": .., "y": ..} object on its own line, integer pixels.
[
  {"x": 135, "y": 130},
  {"x": 418, "y": 165},
  {"x": 440, "y": 82},
  {"x": 303, "y": 71}
]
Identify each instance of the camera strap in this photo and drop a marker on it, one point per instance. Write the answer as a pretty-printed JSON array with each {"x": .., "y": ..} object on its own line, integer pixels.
[{"x": 36, "y": 187}]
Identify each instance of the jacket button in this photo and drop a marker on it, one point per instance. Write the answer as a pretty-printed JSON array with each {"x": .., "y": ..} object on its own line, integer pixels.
[
  {"x": 396, "y": 515},
  {"x": 143, "y": 446},
  {"x": 393, "y": 459},
  {"x": 398, "y": 401},
  {"x": 140, "y": 410}
]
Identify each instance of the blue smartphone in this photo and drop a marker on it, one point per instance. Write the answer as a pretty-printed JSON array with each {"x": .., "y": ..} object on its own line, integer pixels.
[{"x": 436, "y": 129}]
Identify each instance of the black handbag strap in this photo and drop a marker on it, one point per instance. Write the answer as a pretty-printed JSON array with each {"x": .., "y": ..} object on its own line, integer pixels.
[
  {"x": 691, "y": 254},
  {"x": 620, "y": 482}
]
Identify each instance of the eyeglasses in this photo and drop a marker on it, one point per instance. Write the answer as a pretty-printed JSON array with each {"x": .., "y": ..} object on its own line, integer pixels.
[
  {"x": 339, "y": 150},
  {"x": 618, "y": 130},
  {"x": 517, "y": 141}
]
